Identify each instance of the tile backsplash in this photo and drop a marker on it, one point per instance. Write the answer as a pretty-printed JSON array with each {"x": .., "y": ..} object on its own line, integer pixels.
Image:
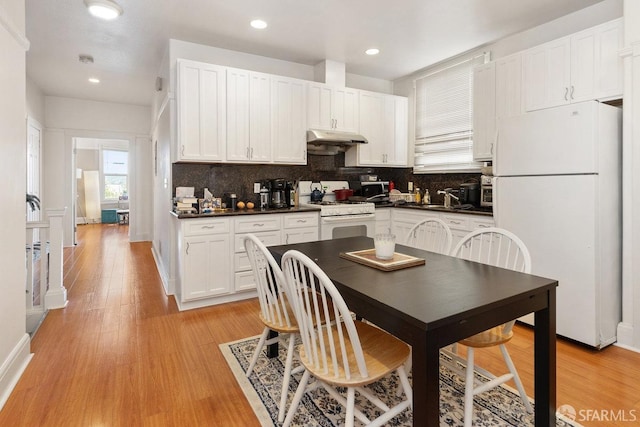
[{"x": 239, "y": 179}]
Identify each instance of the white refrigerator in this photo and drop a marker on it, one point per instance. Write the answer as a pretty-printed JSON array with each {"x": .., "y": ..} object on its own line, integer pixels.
[{"x": 557, "y": 179}]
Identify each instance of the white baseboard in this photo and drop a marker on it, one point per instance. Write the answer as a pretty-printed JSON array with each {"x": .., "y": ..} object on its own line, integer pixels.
[
  {"x": 625, "y": 337},
  {"x": 12, "y": 368},
  {"x": 167, "y": 283}
]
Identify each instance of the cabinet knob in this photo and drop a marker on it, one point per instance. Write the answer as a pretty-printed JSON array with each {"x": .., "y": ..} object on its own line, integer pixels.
[
  {"x": 572, "y": 88},
  {"x": 187, "y": 250},
  {"x": 566, "y": 93}
]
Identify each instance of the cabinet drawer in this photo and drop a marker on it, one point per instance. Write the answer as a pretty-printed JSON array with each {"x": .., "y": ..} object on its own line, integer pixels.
[
  {"x": 457, "y": 222},
  {"x": 412, "y": 216},
  {"x": 269, "y": 238},
  {"x": 481, "y": 223},
  {"x": 241, "y": 261},
  {"x": 200, "y": 227},
  {"x": 257, "y": 223},
  {"x": 244, "y": 281},
  {"x": 300, "y": 220}
]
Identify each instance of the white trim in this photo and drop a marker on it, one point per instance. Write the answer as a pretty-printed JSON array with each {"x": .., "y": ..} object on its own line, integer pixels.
[
  {"x": 12, "y": 368},
  {"x": 11, "y": 28}
]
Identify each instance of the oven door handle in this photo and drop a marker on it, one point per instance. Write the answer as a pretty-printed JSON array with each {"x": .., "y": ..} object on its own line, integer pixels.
[{"x": 347, "y": 218}]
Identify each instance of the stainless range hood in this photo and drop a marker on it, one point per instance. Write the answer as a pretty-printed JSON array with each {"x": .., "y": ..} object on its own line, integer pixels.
[{"x": 330, "y": 142}]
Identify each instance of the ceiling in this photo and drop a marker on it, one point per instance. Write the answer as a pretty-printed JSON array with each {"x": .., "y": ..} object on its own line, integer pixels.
[{"x": 411, "y": 35}]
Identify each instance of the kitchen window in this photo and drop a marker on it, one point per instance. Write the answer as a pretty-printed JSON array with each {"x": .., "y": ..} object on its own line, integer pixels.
[
  {"x": 444, "y": 119},
  {"x": 115, "y": 174}
]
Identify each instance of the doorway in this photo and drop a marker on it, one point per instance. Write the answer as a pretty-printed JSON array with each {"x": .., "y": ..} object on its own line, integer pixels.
[{"x": 102, "y": 172}]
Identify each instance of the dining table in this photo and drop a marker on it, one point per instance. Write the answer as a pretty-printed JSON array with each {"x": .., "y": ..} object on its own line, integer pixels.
[{"x": 438, "y": 303}]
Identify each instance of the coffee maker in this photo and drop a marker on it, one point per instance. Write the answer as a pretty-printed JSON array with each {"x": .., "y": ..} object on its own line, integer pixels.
[{"x": 280, "y": 191}]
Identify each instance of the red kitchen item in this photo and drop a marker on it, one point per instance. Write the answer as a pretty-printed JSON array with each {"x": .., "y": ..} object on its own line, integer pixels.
[{"x": 343, "y": 194}]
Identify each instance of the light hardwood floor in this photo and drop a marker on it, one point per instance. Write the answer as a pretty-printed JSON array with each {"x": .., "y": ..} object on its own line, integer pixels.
[{"x": 121, "y": 354}]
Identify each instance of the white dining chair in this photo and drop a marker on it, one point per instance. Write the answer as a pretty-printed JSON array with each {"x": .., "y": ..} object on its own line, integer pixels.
[
  {"x": 431, "y": 234},
  {"x": 500, "y": 248},
  {"x": 343, "y": 353},
  {"x": 276, "y": 312}
]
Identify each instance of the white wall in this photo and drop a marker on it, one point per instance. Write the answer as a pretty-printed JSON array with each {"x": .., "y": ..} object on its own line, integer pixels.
[
  {"x": 66, "y": 119},
  {"x": 35, "y": 101},
  {"x": 14, "y": 341}
]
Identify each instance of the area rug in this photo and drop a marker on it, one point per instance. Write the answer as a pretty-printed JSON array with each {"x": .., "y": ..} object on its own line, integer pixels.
[{"x": 500, "y": 406}]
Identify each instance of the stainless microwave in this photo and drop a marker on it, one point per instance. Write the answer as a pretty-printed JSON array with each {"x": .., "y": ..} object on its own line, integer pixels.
[
  {"x": 486, "y": 191},
  {"x": 375, "y": 191}
]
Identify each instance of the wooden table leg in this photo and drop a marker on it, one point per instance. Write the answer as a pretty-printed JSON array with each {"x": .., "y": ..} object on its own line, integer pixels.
[
  {"x": 272, "y": 349},
  {"x": 426, "y": 383},
  {"x": 545, "y": 363}
]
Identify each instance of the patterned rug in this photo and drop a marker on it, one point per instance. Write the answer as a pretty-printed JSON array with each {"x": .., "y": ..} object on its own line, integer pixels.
[{"x": 500, "y": 406}]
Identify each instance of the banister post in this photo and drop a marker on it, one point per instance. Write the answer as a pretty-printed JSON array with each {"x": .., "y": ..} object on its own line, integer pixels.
[{"x": 56, "y": 296}]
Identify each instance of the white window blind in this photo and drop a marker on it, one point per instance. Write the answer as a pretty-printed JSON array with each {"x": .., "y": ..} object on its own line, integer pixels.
[{"x": 444, "y": 120}]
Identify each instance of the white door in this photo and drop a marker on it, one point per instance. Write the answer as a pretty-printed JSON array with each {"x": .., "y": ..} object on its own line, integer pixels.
[{"x": 34, "y": 165}]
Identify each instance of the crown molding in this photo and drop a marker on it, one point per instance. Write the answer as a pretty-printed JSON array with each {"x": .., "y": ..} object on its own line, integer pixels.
[{"x": 12, "y": 29}]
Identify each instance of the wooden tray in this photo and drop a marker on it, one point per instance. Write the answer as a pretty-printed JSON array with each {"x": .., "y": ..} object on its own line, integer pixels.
[{"x": 368, "y": 257}]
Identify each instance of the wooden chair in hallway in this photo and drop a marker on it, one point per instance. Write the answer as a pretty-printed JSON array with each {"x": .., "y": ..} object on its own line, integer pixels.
[
  {"x": 343, "y": 353},
  {"x": 431, "y": 234},
  {"x": 501, "y": 248},
  {"x": 275, "y": 311}
]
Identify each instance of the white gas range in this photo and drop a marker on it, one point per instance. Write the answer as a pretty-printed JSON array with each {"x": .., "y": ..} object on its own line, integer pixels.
[{"x": 339, "y": 219}]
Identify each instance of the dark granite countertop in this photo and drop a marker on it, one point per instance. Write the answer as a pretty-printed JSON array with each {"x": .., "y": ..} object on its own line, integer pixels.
[
  {"x": 229, "y": 212},
  {"x": 440, "y": 208}
]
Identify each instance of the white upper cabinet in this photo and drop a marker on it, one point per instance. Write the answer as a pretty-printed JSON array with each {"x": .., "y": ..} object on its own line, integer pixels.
[
  {"x": 484, "y": 110},
  {"x": 509, "y": 86},
  {"x": 583, "y": 66},
  {"x": 384, "y": 122},
  {"x": 248, "y": 116},
  {"x": 332, "y": 108},
  {"x": 289, "y": 120},
  {"x": 201, "y": 112}
]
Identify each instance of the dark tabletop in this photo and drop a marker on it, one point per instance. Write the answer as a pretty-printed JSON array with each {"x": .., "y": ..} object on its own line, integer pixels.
[{"x": 443, "y": 290}]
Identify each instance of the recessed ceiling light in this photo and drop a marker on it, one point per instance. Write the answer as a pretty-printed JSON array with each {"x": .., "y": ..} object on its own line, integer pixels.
[
  {"x": 85, "y": 59},
  {"x": 103, "y": 9},
  {"x": 372, "y": 51},
  {"x": 259, "y": 24},
  {"x": 94, "y": 80}
]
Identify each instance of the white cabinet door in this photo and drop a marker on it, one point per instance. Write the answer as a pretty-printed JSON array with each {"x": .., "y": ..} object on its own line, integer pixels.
[
  {"x": 372, "y": 109},
  {"x": 609, "y": 66},
  {"x": 547, "y": 75},
  {"x": 397, "y": 130},
  {"x": 484, "y": 111},
  {"x": 207, "y": 266},
  {"x": 201, "y": 112},
  {"x": 237, "y": 115},
  {"x": 332, "y": 108},
  {"x": 509, "y": 86},
  {"x": 384, "y": 122},
  {"x": 300, "y": 235},
  {"x": 319, "y": 106},
  {"x": 248, "y": 117},
  {"x": 260, "y": 118},
  {"x": 344, "y": 108},
  {"x": 289, "y": 120}
]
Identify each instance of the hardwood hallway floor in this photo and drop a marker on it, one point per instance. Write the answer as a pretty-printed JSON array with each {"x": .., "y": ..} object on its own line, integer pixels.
[{"x": 121, "y": 354}]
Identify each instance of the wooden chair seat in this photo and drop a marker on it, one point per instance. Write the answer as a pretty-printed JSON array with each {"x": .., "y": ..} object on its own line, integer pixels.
[
  {"x": 488, "y": 338},
  {"x": 382, "y": 351},
  {"x": 278, "y": 325}
]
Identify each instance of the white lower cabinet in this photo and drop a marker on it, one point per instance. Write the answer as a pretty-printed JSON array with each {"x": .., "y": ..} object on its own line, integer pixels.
[
  {"x": 205, "y": 259},
  {"x": 402, "y": 220},
  {"x": 460, "y": 224},
  {"x": 299, "y": 228},
  {"x": 272, "y": 229},
  {"x": 383, "y": 220}
]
